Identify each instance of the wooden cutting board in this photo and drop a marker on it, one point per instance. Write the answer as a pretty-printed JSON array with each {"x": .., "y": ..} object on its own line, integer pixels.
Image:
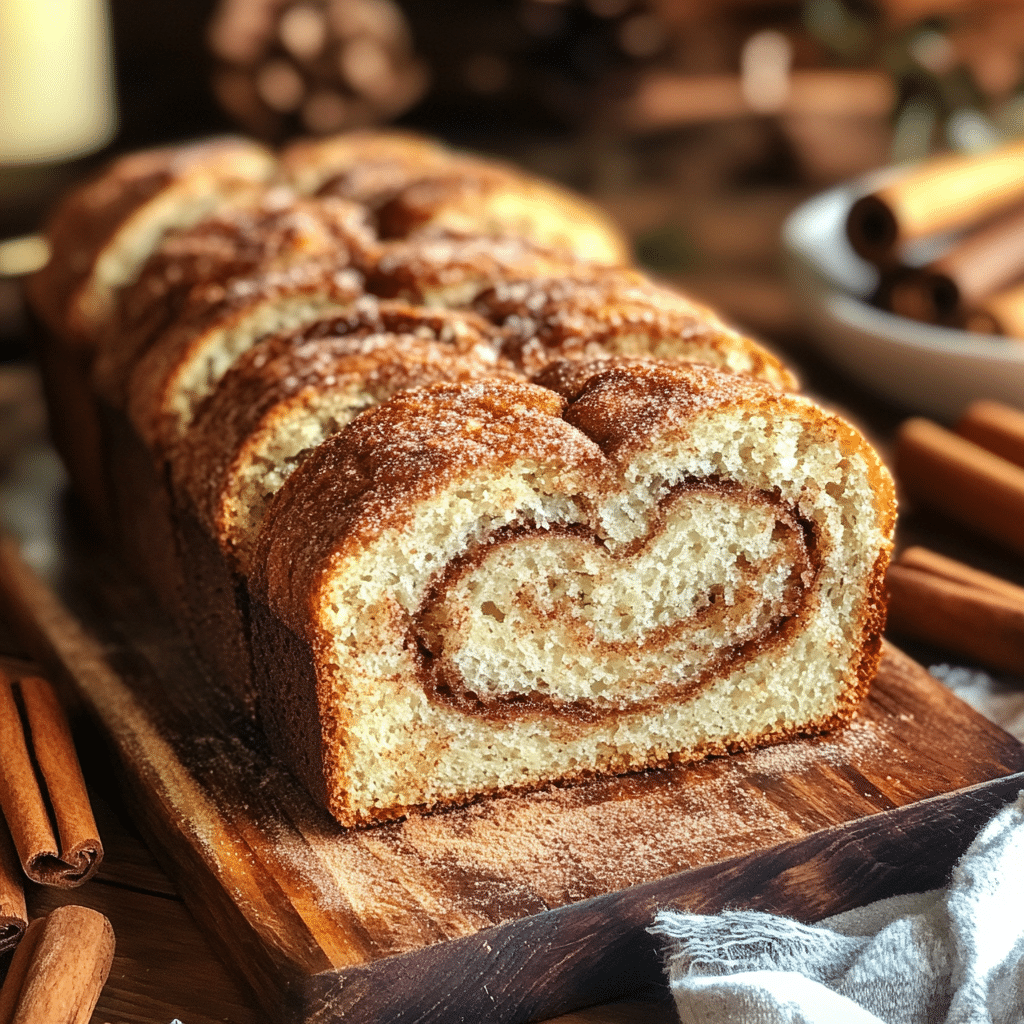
[{"x": 515, "y": 908}]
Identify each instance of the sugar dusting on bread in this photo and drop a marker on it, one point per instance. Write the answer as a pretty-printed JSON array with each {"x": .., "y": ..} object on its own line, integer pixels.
[{"x": 454, "y": 581}]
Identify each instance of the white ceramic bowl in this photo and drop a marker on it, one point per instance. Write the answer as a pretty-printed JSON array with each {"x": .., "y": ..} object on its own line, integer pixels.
[{"x": 937, "y": 371}]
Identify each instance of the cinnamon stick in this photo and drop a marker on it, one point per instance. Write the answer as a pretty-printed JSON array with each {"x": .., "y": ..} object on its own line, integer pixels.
[
  {"x": 59, "y": 977},
  {"x": 1000, "y": 313},
  {"x": 996, "y": 427},
  {"x": 983, "y": 262},
  {"x": 918, "y": 295},
  {"x": 957, "y": 616},
  {"x": 13, "y": 915},
  {"x": 926, "y": 560},
  {"x": 18, "y": 970},
  {"x": 942, "y": 194},
  {"x": 962, "y": 480},
  {"x": 42, "y": 792}
]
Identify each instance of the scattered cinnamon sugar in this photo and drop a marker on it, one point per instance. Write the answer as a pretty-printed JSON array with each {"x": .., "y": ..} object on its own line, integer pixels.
[{"x": 505, "y": 857}]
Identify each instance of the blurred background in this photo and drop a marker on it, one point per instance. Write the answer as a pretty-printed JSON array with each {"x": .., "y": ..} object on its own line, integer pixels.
[{"x": 700, "y": 124}]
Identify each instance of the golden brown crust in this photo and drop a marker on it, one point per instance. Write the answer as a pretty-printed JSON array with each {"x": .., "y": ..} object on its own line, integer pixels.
[
  {"x": 197, "y": 266},
  {"x": 452, "y": 268},
  {"x": 493, "y": 198},
  {"x": 371, "y": 476},
  {"x": 92, "y": 214},
  {"x": 590, "y": 311},
  {"x": 367, "y": 479},
  {"x": 379, "y": 347},
  {"x": 621, "y": 403},
  {"x": 458, "y": 189},
  {"x": 368, "y": 166},
  {"x": 208, "y": 311},
  {"x": 414, "y": 184}
]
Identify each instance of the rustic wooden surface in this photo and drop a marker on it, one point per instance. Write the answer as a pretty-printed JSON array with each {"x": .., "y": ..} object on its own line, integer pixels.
[
  {"x": 515, "y": 908},
  {"x": 709, "y": 220}
]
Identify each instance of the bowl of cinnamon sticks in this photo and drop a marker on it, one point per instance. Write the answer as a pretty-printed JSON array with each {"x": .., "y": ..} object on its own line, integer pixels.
[{"x": 912, "y": 279}]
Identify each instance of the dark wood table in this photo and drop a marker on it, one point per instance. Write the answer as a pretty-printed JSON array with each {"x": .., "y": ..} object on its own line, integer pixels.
[{"x": 912, "y": 740}]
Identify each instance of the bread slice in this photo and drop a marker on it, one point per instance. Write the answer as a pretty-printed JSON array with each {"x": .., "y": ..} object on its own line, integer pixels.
[
  {"x": 368, "y": 166},
  {"x": 209, "y": 293},
  {"x": 276, "y": 243},
  {"x": 289, "y": 393},
  {"x": 103, "y": 232},
  {"x": 489, "y": 197},
  {"x": 184, "y": 365},
  {"x": 589, "y": 313},
  {"x": 488, "y": 586},
  {"x": 414, "y": 184},
  {"x": 443, "y": 268}
]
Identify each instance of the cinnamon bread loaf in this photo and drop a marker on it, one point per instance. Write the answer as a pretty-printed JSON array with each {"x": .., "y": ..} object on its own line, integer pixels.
[{"x": 465, "y": 507}]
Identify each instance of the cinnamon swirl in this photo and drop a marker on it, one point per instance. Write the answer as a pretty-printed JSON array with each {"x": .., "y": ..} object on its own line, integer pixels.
[{"x": 485, "y": 586}]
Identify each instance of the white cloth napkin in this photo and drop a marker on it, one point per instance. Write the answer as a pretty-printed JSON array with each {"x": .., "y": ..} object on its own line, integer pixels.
[{"x": 953, "y": 955}]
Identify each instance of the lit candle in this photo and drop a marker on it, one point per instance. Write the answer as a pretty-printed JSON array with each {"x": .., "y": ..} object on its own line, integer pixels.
[{"x": 56, "y": 79}]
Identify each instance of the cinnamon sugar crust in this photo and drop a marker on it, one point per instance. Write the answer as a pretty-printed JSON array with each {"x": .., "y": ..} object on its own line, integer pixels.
[
  {"x": 291, "y": 391},
  {"x": 367, "y": 166},
  {"x": 197, "y": 265},
  {"x": 444, "y": 268},
  {"x": 369, "y": 477},
  {"x": 590, "y": 312},
  {"x": 102, "y": 231},
  {"x": 414, "y": 445},
  {"x": 621, "y": 402},
  {"x": 462, "y": 329},
  {"x": 171, "y": 375},
  {"x": 414, "y": 184},
  {"x": 492, "y": 198}
]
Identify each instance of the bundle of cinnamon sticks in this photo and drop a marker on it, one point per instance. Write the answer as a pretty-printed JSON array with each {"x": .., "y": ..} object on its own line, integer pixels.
[
  {"x": 977, "y": 283},
  {"x": 42, "y": 792},
  {"x": 61, "y": 962},
  {"x": 973, "y": 474}
]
